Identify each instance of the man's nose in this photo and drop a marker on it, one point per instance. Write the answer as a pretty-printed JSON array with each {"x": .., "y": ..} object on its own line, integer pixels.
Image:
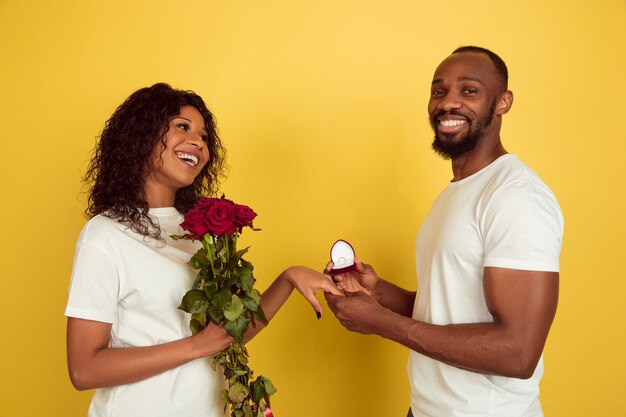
[{"x": 449, "y": 102}]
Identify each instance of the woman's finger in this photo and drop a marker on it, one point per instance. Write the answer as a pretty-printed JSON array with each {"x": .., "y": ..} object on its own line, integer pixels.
[{"x": 330, "y": 287}]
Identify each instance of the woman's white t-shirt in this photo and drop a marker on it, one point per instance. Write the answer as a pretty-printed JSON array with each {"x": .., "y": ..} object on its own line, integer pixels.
[{"x": 136, "y": 283}]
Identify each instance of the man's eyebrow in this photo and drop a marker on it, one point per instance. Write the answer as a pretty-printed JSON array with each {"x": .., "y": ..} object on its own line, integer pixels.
[
  {"x": 465, "y": 78},
  {"x": 478, "y": 80}
]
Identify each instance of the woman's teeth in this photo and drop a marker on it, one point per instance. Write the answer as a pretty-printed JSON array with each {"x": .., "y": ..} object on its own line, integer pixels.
[{"x": 188, "y": 158}]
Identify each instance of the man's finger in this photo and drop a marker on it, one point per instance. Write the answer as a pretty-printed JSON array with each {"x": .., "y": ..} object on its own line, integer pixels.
[
  {"x": 331, "y": 297},
  {"x": 359, "y": 266}
]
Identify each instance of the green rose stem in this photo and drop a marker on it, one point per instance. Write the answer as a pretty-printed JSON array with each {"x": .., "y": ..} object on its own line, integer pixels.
[
  {"x": 209, "y": 249},
  {"x": 224, "y": 293}
]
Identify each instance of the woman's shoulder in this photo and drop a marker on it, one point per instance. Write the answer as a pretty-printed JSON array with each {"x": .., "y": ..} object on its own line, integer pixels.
[{"x": 102, "y": 228}]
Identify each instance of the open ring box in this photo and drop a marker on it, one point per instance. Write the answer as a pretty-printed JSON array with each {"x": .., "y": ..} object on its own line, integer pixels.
[{"x": 342, "y": 255}]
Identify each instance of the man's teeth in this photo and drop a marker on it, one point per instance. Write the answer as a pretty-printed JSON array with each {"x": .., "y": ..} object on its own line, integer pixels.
[
  {"x": 450, "y": 123},
  {"x": 187, "y": 157}
]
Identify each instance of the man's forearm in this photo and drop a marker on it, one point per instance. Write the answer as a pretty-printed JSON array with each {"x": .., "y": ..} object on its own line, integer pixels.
[
  {"x": 394, "y": 298},
  {"x": 479, "y": 347}
]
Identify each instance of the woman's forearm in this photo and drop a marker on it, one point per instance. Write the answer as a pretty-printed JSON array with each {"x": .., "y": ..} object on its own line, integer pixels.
[
  {"x": 92, "y": 364},
  {"x": 271, "y": 301}
]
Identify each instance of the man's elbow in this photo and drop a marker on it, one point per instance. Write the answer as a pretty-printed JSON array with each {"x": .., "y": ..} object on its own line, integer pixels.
[
  {"x": 522, "y": 373},
  {"x": 522, "y": 366}
]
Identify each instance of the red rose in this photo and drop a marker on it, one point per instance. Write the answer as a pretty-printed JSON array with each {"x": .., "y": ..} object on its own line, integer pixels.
[
  {"x": 243, "y": 216},
  {"x": 220, "y": 217},
  {"x": 195, "y": 222},
  {"x": 205, "y": 202}
]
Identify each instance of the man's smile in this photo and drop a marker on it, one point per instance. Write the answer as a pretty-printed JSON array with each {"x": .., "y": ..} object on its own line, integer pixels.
[
  {"x": 447, "y": 124},
  {"x": 451, "y": 123}
]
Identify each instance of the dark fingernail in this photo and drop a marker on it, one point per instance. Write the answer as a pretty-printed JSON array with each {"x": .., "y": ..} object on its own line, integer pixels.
[{"x": 318, "y": 314}]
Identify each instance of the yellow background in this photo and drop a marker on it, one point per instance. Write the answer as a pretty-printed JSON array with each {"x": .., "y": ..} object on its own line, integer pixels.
[{"x": 322, "y": 106}]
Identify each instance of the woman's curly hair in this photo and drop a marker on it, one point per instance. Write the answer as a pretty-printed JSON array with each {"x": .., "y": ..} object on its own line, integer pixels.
[{"x": 122, "y": 157}]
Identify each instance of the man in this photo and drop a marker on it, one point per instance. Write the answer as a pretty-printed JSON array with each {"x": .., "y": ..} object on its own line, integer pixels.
[{"x": 487, "y": 260}]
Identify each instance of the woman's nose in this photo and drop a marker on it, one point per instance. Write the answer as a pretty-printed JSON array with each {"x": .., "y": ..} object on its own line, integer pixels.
[{"x": 195, "y": 140}]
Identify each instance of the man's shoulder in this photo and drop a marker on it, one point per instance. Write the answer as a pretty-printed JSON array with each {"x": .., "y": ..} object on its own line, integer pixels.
[
  {"x": 511, "y": 167},
  {"x": 511, "y": 173},
  {"x": 513, "y": 187}
]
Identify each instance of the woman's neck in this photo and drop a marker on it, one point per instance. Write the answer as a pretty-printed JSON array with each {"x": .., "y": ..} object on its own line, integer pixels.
[{"x": 157, "y": 195}]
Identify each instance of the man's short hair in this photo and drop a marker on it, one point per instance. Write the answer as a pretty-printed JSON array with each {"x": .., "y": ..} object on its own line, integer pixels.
[{"x": 495, "y": 59}]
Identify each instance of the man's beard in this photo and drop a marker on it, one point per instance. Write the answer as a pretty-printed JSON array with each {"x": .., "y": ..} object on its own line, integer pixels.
[{"x": 468, "y": 142}]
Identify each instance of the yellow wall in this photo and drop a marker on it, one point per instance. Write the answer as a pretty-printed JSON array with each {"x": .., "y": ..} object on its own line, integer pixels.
[{"x": 322, "y": 106}]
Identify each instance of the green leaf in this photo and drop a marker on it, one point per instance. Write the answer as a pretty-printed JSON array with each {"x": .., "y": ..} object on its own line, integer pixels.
[
  {"x": 252, "y": 320},
  {"x": 246, "y": 264},
  {"x": 199, "y": 259},
  {"x": 234, "y": 308},
  {"x": 269, "y": 387},
  {"x": 247, "y": 411},
  {"x": 258, "y": 390},
  {"x": 200, "y": 318},
  {"x": 196, "y": 282},
  {"x": 194, "y": 301},
  {"x": 195, "y": 326},
  {"x": 222, "y": 298},
  {"x": 244, "y": 350},
  {"x": 215, "y": 314},
  {"x": 260, "y": 315},
  {"x": 207, "y": 273},
  {"x": 249, "y": 303},
  {"x": 245, "y": 278},
  {"x": 262, "y": 388},
  {"x": 232, "y": 355},
  {"x": 229, "y": 373},
  {"x": 229, "y": 283},
  {"x": 222, "y": 254},
  {"x": 238, "y": 413},
  {"x": 239, "y": 254},
  {"x": 225, "y": 398},
  {"x": 237, "y": 392},
  {"x": 241, "y": 358},
  {"x": 218, "y": 269},
  {"x": 210, "y": 289},
  {"x": 237, "y": 328},
  {"x": 214, "y": 362},
  {"x": 256, "y": 296}
]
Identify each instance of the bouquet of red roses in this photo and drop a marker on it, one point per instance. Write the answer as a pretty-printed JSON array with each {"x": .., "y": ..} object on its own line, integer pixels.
[{"x": 224, "y": 292}]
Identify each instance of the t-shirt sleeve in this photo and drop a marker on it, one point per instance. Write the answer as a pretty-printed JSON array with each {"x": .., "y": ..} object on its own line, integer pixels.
[
  {"x": 523, "y": 228},
  {"x": 94, "y": 285}
]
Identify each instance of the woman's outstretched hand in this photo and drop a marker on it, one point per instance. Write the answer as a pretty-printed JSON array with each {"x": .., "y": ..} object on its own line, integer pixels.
[{"x": 308, "y": 282}]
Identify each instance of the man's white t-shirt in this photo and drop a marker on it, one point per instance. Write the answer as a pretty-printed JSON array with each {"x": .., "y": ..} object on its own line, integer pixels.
[
  {"x": 136, "y": 283},
  {"x": 502, "y": 216}
]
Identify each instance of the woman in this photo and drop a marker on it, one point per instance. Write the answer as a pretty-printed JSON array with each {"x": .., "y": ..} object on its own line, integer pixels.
[{"x": 157, "y": 155}]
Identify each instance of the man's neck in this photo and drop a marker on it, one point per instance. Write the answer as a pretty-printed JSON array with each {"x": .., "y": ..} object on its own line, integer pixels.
[{"x": 475, "y": 160}]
